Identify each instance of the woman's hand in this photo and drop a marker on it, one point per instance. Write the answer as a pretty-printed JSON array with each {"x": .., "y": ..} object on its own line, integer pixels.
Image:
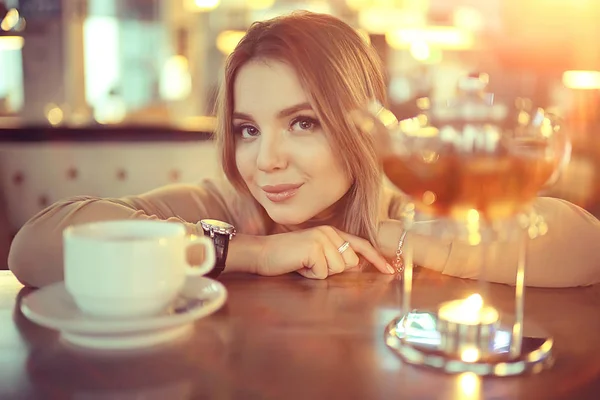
[{"x": 313, "y": 253}]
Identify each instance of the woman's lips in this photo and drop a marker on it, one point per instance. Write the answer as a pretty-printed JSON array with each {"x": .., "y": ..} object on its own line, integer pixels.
[{"x": 279, "y": 193}]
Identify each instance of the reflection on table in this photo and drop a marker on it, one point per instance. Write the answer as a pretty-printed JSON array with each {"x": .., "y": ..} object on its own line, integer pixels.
[{"x": 290, "y": 337}]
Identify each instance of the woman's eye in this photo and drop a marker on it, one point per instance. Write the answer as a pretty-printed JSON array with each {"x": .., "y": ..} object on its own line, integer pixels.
[
  {"x": 247, "y": 131},
  {"x": 305, "y": 124}
]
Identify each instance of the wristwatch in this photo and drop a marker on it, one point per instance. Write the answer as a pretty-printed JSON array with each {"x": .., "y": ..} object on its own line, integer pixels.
[{"x": 221, "y": 233}]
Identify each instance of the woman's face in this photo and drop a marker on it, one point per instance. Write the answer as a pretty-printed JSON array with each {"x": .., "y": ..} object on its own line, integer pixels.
[{"x": 282, "y": 152}]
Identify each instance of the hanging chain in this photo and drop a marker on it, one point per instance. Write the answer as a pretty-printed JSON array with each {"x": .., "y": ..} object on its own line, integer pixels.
[{"x": 399, "y": 261}]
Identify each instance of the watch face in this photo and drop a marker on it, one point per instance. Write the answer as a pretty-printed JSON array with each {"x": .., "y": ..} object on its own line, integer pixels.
[{"x": 217, "y": 226}]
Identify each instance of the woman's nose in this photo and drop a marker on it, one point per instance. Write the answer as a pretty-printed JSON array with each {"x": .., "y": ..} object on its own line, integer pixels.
[{"x": 271, "y": 154}]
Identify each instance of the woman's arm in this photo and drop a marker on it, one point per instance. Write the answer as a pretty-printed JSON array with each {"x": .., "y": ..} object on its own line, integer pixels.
[
  {"x": 568, "y": 255},
  {"x": 428, "y": 251},
  {"x": 36, "y": 256}
]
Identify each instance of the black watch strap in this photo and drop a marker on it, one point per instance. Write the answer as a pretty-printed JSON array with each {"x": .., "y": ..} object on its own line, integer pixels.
[
  {"x": 221, "y": 247},
  {"x": 221, "y": 233}
]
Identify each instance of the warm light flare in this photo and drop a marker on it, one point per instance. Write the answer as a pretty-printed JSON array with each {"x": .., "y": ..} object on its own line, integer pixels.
[
  {"x": 176, "y": 81},
  {"x": 469, "y": 355},
  {"x": 379, "y": 20},
  {"x": 10, "y": 20},
  {"x": 203, "y": 5},
  {"x": 228, "y": 40},
  {"x": 469, "y": 386},
  {"x": 468, "y": 18},
  {"x": 445, "y": 37},
  {"x": 259, "y": 4},
  {"x": 420, "y": 50},
  {"x": 200, "y": 123},
  {"x": 54, "y": 114},
  {"x": 581, "y": 79},
  {"x": 473, "y": 232},
  {"x": 358, "y": 4},
  {"x": 473, "y": 216}
]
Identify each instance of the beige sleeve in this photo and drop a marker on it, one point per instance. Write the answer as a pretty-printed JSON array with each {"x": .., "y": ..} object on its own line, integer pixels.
[
  {"x": 36, "y": 252},
  {"x": 428, "y": 251},
  {"x": 568, "y": 255}
]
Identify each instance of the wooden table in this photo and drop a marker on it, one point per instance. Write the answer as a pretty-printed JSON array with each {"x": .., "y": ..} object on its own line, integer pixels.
[{"x": 295, "y": 338}]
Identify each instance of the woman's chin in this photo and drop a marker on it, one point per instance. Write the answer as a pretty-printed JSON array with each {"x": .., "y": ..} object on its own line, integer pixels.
[{"x": 289, "y": 217}]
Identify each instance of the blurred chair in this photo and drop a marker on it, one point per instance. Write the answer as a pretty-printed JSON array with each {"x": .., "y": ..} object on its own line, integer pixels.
[
  {"x": 36, "y": 173},
  {"x": 5, "y": 232}
]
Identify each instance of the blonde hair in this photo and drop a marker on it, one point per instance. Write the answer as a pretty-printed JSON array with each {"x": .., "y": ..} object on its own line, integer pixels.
[{"x": 340, "y": 72}]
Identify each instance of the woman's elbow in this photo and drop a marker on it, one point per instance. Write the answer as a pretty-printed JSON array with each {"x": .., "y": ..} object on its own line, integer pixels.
[
  {"x": 32, "y": 260},
  {"x": 567, "y": 261},
  {"x": 36, "y": 255},
  {"x": 18, "y": 260}
]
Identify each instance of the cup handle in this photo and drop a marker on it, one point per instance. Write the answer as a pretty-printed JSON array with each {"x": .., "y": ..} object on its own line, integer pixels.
[{"x": 209, "y": 256}]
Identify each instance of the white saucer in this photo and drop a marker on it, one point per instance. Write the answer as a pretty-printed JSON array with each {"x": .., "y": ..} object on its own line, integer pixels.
[{"x": 53, "y": 307}]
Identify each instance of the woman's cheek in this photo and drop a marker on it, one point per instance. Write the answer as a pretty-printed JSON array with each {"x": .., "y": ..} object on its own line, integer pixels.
[{"x": 244, "y": 165}]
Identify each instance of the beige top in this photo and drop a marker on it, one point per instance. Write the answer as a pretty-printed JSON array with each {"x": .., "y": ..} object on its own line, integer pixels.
[{"x": 565, "y": 256}]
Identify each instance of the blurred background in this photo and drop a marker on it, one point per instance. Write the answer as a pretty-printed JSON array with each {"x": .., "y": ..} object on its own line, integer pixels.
[
  {"x": 157, "y": 62},
  {"x": 73, "y": 71}
]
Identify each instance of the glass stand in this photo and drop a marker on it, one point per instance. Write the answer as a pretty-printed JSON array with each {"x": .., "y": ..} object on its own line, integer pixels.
[
  {"x": 494, "y": 347},
  {"x": 406, "y": 337}
]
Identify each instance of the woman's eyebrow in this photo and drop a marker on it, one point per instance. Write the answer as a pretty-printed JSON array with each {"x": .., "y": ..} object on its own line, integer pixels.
[
  {"x": 286, "y": 112},
  {"x": 246, "y": 117}
]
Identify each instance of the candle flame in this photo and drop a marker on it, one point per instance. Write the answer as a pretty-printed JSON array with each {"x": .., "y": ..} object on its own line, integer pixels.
[
  {"x": 473, "y": 303},
  {"x": 469, "y": 311}
]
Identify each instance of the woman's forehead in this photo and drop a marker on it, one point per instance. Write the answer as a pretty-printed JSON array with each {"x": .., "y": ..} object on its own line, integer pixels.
[{"x": 267, "y": 87}]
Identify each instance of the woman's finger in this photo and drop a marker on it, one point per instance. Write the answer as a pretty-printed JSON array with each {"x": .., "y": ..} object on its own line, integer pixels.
[
  {"x": 335, "y": 261},
  {"x": 364, "y": 248},
  {"x": 346, "y": 253},
  {"x": 316, "y": 264}
]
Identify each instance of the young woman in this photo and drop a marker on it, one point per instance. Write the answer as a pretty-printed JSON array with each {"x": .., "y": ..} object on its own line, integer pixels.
[{"x": 304, "y": 188}]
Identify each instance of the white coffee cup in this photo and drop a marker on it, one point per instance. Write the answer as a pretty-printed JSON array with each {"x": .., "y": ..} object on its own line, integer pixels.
[{"x": 129, "y": 268}]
